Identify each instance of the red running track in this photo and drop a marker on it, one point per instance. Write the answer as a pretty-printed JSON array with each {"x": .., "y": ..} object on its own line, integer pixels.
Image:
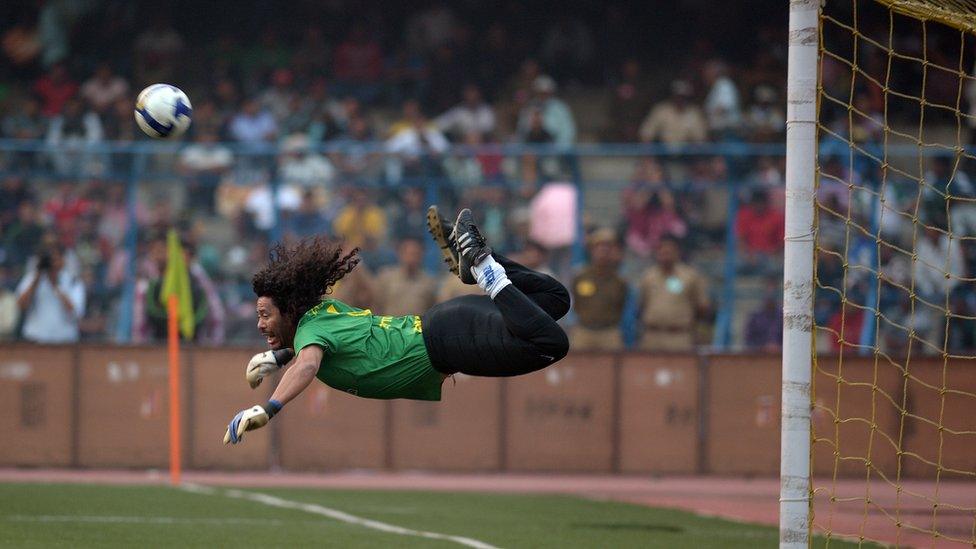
[{"x": 747, "y": 500}]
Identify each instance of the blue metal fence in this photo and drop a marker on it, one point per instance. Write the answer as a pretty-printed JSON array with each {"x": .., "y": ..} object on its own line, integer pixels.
[{"x": 591, "y": 168}]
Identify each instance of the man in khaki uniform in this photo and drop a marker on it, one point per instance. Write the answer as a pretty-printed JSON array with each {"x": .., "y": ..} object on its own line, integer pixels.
[
  {"x": 599, "y": 295},
  {"x": 405, "y": 289},
  {"x": 673, "y": 296}
]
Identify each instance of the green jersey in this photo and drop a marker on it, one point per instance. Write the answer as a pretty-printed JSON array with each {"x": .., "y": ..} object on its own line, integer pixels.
[{"x": 367, "y": 355}]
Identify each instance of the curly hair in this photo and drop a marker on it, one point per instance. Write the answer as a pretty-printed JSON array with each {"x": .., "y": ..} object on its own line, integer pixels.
[{"x": 297, "y": 277}]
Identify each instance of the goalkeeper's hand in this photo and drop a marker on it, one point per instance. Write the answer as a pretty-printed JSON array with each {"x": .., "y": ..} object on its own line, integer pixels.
[
  {"x": 265, "y": 364},
  {"x": 255, "y": 417}
]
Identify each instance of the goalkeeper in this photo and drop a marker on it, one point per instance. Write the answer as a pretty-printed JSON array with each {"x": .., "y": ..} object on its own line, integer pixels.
[{"x": 509, "y": 331}]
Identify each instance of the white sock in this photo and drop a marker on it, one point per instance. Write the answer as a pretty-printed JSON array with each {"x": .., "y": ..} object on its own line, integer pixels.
[{"x": 491, "y": 276}]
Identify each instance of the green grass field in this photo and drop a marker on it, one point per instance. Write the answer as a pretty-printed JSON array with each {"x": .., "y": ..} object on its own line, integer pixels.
[{"x": 74, "y": 515}]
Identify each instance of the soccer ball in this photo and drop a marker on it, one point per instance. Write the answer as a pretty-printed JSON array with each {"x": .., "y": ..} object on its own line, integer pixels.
[{"x": 163, "y": 111}]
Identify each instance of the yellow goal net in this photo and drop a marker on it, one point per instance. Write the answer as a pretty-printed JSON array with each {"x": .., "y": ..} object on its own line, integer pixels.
[{"x": 892, "y": 304}]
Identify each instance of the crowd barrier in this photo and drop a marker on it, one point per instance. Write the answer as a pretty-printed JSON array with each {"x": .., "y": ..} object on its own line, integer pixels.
[{"x": 106, "y": 407}]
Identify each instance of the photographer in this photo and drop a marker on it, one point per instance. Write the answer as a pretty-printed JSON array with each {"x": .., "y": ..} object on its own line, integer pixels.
[{"x": 52, "y": 300}]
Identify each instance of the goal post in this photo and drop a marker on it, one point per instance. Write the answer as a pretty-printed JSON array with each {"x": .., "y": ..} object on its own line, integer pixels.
[
  {"x": 878, "y": 423},
  {"x": 801, "y": 143}
]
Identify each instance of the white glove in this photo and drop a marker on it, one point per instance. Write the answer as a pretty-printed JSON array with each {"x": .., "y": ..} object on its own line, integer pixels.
[
  {"x": 255, "y": 417},
  {"x": 265, "y": 364}
]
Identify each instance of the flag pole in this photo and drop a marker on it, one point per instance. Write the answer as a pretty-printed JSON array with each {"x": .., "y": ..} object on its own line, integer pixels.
[{"x": 172, "y": 309}]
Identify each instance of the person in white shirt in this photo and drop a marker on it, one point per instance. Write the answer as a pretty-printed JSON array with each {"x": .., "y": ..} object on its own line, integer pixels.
[
  {"x": 722, "y": 106},
  {"x": 472, "y": 115},
  {"x": 299, "y": 165},
  {"x": 415, "y": 148},
  {"x": 204, "y": 163},
  {"x": 104, "y": 88},
  {"x": 52, "y": 300}
]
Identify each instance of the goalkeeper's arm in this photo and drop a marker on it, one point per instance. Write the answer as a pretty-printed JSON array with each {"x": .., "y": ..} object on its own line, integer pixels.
[{"x": 296, "y": 379}]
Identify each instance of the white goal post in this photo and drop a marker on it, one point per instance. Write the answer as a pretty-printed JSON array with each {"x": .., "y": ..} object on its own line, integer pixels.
[{"x": 801, "y": 129}]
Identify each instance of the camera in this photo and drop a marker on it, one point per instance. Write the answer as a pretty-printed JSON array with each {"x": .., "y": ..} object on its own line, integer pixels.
[{"x": 44, "y": 262}]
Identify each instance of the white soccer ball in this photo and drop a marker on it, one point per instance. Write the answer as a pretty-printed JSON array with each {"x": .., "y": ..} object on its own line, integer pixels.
[{"x": 163, "y": 111}]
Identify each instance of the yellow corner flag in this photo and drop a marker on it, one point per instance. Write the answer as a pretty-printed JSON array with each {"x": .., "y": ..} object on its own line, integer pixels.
[{"x": 176, "y": 282}]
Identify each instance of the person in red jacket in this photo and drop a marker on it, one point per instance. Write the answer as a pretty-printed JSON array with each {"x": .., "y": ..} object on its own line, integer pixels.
[{"x": 760, "y": 229}]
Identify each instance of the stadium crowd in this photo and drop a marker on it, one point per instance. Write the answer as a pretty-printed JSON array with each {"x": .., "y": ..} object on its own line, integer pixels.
[{"x": 347, "y": 126}]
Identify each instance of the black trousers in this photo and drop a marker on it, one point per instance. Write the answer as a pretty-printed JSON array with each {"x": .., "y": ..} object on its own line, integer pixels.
[{"x": 514, "y": 334}]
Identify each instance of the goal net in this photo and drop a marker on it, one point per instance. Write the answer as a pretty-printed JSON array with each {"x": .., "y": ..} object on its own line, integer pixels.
[{"x": 892, "y": 383}]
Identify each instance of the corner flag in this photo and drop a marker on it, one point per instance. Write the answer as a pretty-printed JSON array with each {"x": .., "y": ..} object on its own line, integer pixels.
[{"x": 176, "y": 281}]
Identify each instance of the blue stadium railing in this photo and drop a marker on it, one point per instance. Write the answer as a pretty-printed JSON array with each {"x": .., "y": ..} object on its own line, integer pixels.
[{"x": 134, "y": 163}]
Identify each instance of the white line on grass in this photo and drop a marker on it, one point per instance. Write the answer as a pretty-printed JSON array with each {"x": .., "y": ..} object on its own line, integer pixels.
[
  {"x": 119, "y": 519},
  {"x": 336, "y": 515}
]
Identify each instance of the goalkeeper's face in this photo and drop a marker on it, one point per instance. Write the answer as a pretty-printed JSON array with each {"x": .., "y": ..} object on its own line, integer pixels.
[{"x": 272, "y": 324}]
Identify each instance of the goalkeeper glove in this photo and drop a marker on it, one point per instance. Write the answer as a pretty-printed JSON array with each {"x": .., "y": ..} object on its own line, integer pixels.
[
  {"x": 255, "y": 417},
  {"x": 265, "y": 364}
]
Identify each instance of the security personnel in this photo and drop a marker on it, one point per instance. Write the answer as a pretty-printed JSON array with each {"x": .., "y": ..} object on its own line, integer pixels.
[
  {"x": 673, "y": 297},
  {"x": 599, "y": 295}
]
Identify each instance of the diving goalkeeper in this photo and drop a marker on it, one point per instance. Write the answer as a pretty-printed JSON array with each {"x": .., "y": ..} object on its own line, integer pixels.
[{"x": 509, "y": 331}]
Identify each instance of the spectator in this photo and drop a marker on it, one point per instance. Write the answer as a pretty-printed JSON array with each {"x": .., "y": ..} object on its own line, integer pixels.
[
  {"x": 207, "y": 118},
  {"x": 940, "y": 266},
  {"x": 253, "y": 125},
  {"x": 450, "y": 286},
  {"x": 356, "y": 288},
  {"x": 764, "y": 329},
  {"x": 359, "y": 65},
  {"x": 117, "y": 126},
  {"x": 517, "y": 93},
  {"x": 278, "y": 98},
  {"x": 104, "y": 88},
  {"x": 356, "y": 159},
  {"x": 554, "y": 222},
  {"x": 308, "y": 219},
  {"x": 203, "y": 163},
  {"x": 766, "y": 120},
  {"x": 405, "y": 75},
  {"x": 21, "y": 42},
  {"x": 722, "y": 102},
  {"x": 66, "y": 206},
  {"x": 417, "y": 143},
  {"x": 21, "y": 238},
  {"x": 405, "y": 289},
  {"x": 13, "y": 192},
  {"x": 473, "y": 115},
  {"x": 673, "y": 297},
  {"x": 69, "y": 134},
  {"x": 631, "y": 99},
  {"x": 599, "y": 295},
  {"x": 650, "y": 210},
  {"x": 430, "y": 28},
  {"x": 760, "y": 230},
  {"x": 302, "y": 113},
  {"x": 313, "y": 54},
  {"x": 463, "y": 167},
  {"x": 51, "y": 298},
  {"x": 25, "y": 121},
  {"x": 260, "y": 205},
  {"x": 9, "y": 312},
  {"x": 54, "y": 89},
  {"x": 301, "y": 167},
  {"x": 676, "y": 120},
  {"x": 152, "y": 322},
  {"x": 534, "y": 168},
  {"x": 535, "y": 256},
  {"x": 360, "y": 220},
  {"x": 557, "y": 119},
  {"x": 411, "y": 216},
  {"x": 446, "y": 70},
  {"x": 158, "y": 49}
]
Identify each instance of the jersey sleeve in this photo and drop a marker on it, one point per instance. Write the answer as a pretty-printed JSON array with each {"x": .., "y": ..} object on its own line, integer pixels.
[{"x": 311, "y": 334}]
